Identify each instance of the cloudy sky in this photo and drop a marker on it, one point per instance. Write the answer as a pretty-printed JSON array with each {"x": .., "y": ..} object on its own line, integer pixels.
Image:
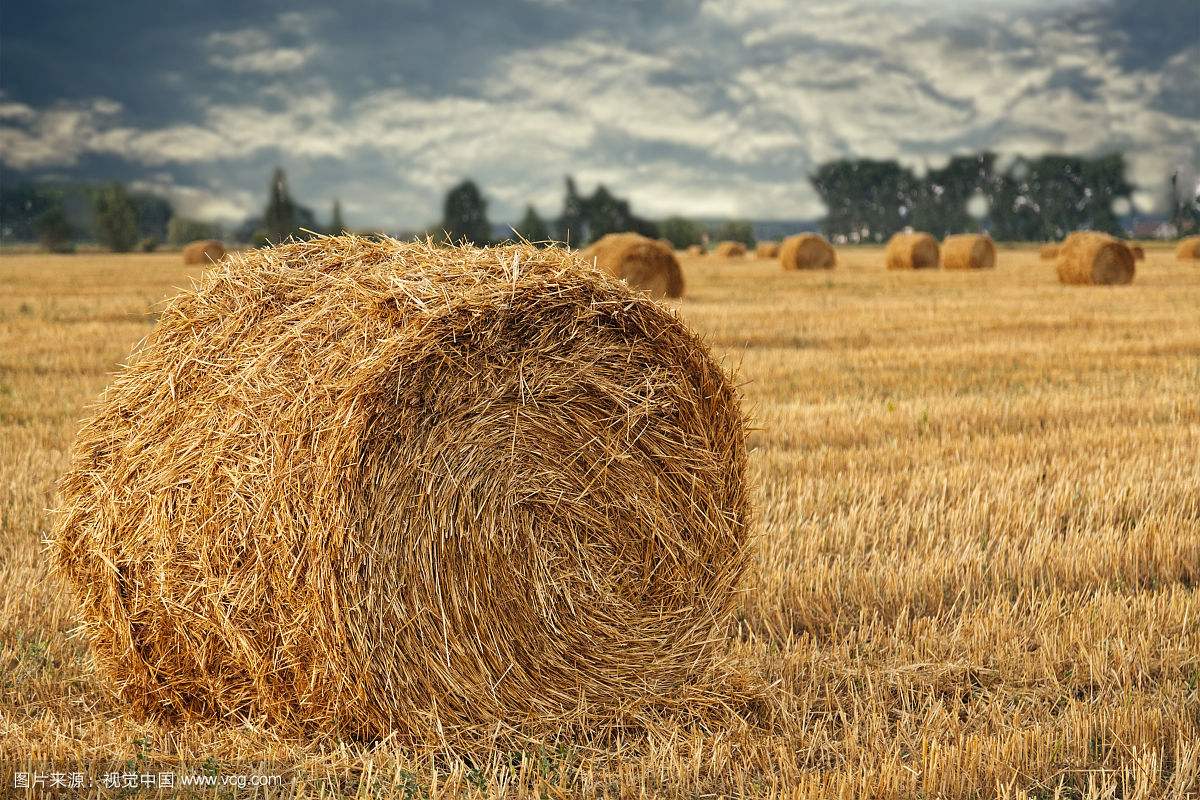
[{"x": 704, "y": 107}]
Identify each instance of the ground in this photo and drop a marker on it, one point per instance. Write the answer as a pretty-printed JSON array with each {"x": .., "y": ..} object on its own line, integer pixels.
[{"x": 978, "y": 544}]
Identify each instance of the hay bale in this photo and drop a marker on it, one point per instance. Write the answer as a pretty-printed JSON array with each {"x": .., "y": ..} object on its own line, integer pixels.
[
  {"x": 968, "y": 251},
  {"x": 1188, "y": 249},
  {"x": 1088, "y": 258},
  {"x": 912, "y": 251},
  {"x": 807, "y": 251},
  {"x": 203, "y": 251},
  {"x": 1139, "y": 254},
  {"x": 1048, "y": 252},
  {"x": 695, "y": 250},
  {"x": 667, "y": 243},
  {"x": 767, "y": 249},
  {"x": 730, "y": 250},
  {"x": 643, "y": 263},
  {"x": 373, "y": 487}
]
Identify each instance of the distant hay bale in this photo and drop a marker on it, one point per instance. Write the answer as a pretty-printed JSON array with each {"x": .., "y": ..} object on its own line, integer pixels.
[
  {"x": 767, "y": 249},
  {"x": 643, "y": 263},
  {"x": 807, "y": 251},
  {"x": 1088, "y": 258},
  {"x": 204, "y": 251},
  {"x": 373, "y": 487},
  {"x": 1139, "y": 253},
  {"x": 968, "y": 251},
  {"x": 1048, "y": 252},
  {"x": 912, "y": 251},
  {"x": 695, "y": 250},
  {"x": 730, "y": 250},
  {"x": 1188, "y": 249}
]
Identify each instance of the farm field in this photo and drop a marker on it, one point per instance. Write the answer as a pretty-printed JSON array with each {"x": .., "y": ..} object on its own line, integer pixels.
[{"x": 978, "y": 546}]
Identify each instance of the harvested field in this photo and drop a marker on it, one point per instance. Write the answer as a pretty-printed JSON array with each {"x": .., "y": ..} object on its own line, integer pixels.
[{"x": 975, "y": 568}]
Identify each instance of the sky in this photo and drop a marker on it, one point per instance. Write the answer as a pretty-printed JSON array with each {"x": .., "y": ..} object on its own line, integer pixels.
[{"x": 700, "y": 107}]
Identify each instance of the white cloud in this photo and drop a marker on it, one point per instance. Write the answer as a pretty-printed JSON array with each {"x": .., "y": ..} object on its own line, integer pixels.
[
  {"x": 200, "y": 202},
  {"x": 252, "y": 50},
  {"x": 727, "y": 117}
]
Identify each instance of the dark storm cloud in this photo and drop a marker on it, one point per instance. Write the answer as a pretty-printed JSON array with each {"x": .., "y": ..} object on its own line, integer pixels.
[{"x": 713, "y": 107}]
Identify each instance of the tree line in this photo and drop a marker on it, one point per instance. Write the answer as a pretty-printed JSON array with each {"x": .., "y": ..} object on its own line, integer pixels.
[
  {"x": 1038, "y": 199},
  {"x": 867, "y": 200}
]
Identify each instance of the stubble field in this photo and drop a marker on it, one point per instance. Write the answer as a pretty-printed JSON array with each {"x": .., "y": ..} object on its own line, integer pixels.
[{"x": 978, "y": 545}]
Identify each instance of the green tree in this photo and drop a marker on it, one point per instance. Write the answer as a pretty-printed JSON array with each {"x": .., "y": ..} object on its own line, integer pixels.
[
  {"x": 681, "y": 232},
  {"x": 532, "y": 227},
  {"x": 464, "y": 215},
  {"x": 336, "y": 224},
  {"x": 116, "y": 219},
  {"x": 939, "y": 201},
  {"x": 181, "y": 230},
  {"x": 572, "y": 225},
  {"x": 735, "y": 230},
  {"x": 279, "y": 217},
  {"x": 865, "y": 199},
  {"x": 53, "y": 230},
  {"x": 1046, "y": 198}
]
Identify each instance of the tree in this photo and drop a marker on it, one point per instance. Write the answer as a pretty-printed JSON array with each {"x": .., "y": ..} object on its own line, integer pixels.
[
  {"x": 532, "y": 227},
  {"x": 572, "y": 224},
  {"x": 153, "y": 215},
  {"x": 53, "y": 230},
  {"x": 116, "y": 219},
  {"x": 586, "y": 219},
  {"x": 682, "y": 232},
  {"x": 867, "y": 200},
  {"x": 735, "y": 230},
  {"x": 181, "y": 230},
  {"x": 464, "y": 215},
  {"x": 336, "y": 224},
  {"x": 939, "y": 203},
  {"x": 279, "y": 217}
]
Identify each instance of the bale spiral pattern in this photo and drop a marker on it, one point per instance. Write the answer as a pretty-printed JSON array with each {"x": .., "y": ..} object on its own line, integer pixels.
[
  {"x": 641, "y": 262},
  {"x": 380, "y": 487},
  {"x": 807, "y": 251}
]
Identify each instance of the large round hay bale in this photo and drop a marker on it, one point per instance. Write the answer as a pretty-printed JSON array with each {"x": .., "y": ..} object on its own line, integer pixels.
[
  {"x": 968, "y": 251},
  {"x": 203, "y": 251},
  {"x": 380, "y": 487},
  {"x": 695, "y": 250},
  {"x": 1048, "y": 252},
  {"x": 643, "y": 263},
  {"x": 1094, "y": 258},
  {"x": 1139, "y": 253},
  {"x": 766, "y": 249},
  {"x": 730, "y": 250},
  {"x": 1188, "y": 249},
  {"x": 912, "y": 251},
  {"x": 807, "y": 251}
]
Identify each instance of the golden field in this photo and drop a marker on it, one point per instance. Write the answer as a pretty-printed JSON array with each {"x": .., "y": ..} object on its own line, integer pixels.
[{"x": 977, "y": 553}]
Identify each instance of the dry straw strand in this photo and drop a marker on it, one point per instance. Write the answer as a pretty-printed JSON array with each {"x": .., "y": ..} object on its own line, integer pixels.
[
  {"x": 912, "y": 251},
  {"x": 643, "y": 263},
  {"x": 968, "y": 251},
  {"x": 203, "y": 251},
  {"x": 807, "y": 251},
  {"x": 373, "y": 487},
  {"x": 1089, "y": 258}
]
